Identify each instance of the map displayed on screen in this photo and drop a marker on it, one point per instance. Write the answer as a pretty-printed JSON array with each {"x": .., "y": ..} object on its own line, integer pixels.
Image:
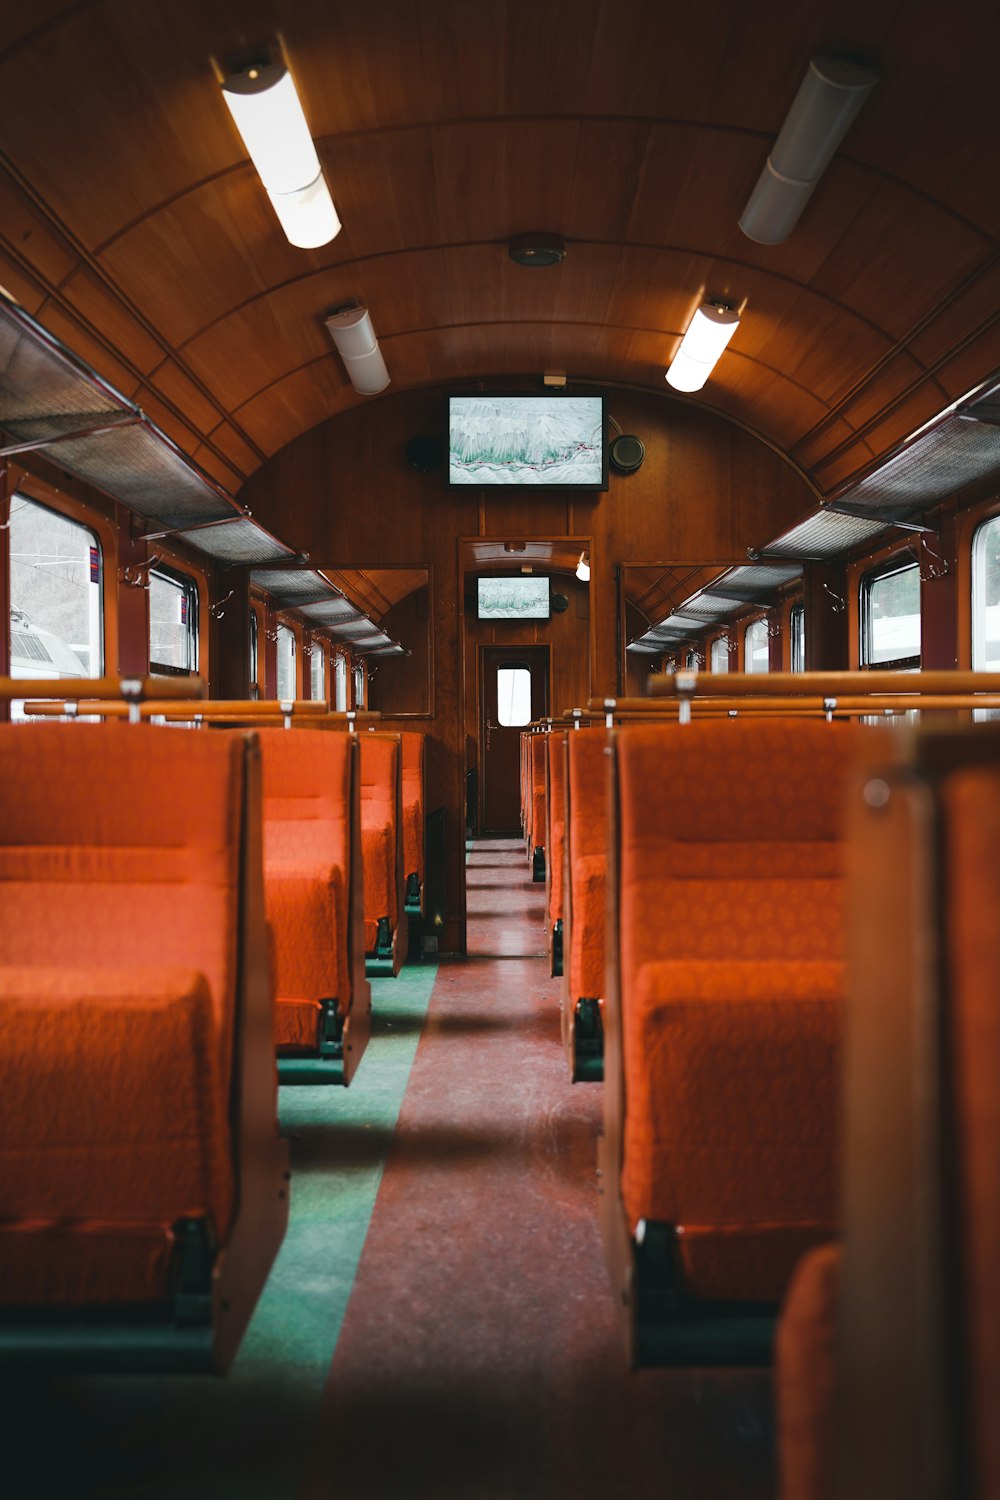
[
  {"x": 526, "y": 440},
  {"x": 513, "y": 598}
]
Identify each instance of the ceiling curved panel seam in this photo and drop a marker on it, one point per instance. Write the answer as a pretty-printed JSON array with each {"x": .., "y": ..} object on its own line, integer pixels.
[
  {"x": 918, "y": 328},
  {"x": 444, "y": 247},
  {"x": 599, "y": 384},
  {"x": 52, "y": 24},
  {"x": 595, "y": 380},
  {"x": 525, "y": 323},
  {"x": 881, "y": 177},
  {"x": 57, "y": 291}
]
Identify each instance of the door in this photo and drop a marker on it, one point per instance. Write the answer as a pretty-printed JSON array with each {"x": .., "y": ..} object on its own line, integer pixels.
[{"x": 514, "y": 690}]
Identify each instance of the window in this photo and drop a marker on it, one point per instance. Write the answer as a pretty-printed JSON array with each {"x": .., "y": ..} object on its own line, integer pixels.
[
  {"x": 254, "y": 680},
  {"x": 797, "y": 625},
  {"x": 173, "y": 623},
  {"x": 359, "y": 687},
  {"x": 340, "y": 683},
  {"x": 756, "y": 647},
  {"x": 890, "y": 617},
  {"x": 691, "y": 660},
  {"x": 986, "y": 597},
  {"x": 513, "y": 695},
  {"x": 317, "y": 673},
  {"x": 56, "y": 595},
  {"x": 720, "y": 654},
  {"x": 286, "y": 663}
]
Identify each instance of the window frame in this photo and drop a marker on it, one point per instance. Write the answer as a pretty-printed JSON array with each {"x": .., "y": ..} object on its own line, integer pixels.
[
  {"x": 758, "y": 620},
  {"x": 191, "y": 587},
  {"x": 900, "y": 562}
]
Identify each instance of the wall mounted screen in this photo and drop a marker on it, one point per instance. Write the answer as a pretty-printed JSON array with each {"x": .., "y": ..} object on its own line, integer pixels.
[
  {"x": 513, "y": 599},
  {"x": 531, "y": 441}
]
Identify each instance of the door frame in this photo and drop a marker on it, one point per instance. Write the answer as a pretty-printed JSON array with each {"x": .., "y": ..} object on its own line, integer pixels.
[{"x": 542, "y": 652}]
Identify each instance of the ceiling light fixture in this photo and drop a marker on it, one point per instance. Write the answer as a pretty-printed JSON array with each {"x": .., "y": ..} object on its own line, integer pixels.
[
  {"x": 351, "y": 329},
  {"x": 708, "y": 333},
  {"x": 268, "y": 115},
  {"x": 829, "y": 98},
  {"x": 583, "y": 568}
]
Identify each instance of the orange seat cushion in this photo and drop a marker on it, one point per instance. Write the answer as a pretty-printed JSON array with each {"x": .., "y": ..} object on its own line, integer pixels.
[
  {"x": 112, "y": 1112},
  {"x": 587, "y": 837},
  {"x": 379, "y": 833},
  {"x": 557, "y": 822},
  {"x": 307, "y": 834},
  {"x": 412, "y": 749}
]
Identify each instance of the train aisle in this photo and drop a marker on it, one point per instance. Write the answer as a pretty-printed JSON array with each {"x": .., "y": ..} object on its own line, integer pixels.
[{"x": 479, "y": 1358}]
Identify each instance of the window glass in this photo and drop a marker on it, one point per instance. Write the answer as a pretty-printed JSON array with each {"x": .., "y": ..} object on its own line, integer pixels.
[
  {"x": 513, "y": 695},
  {"x": 756, "y": 647},
  {"x": 254, "y": 682},
  {"x": 173, "y": 622},
  {"x": 359, "y": 687},
  {"x": 797, "y": 621},
  {"x": 317, "y": 673},
  {"x": 890, "y": 617},
  {"x": 56, "y": 594},
  {"x": 340, "y": 683},
  {"x": 986, "y": 597},
  {"x": 720, "y": 654},
  {"x": 286, "y": 663}
]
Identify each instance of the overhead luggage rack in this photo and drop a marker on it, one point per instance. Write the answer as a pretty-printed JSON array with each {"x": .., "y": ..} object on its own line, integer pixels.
[
  {"x": 323, "y": 607},
  {"x": 751, "y": 583}
]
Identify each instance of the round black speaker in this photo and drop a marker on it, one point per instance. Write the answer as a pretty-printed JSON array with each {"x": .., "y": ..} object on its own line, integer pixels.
[
  {"x": 559, "y": 603},
  {"x": 627, "y": 453},
  {"x": 425, "y": 453}
]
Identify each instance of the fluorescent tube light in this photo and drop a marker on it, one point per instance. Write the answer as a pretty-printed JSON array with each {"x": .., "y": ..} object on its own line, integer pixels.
[
  {"x": 268, "y": 115},
  {"x": 829, "y": 98},
  {"x": 708, "y": 333},
  {"x": 352, "y": 333}
]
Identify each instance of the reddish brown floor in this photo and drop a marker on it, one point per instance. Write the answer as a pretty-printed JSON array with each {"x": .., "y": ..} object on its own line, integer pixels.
[{"x": 479, "y": 1356}]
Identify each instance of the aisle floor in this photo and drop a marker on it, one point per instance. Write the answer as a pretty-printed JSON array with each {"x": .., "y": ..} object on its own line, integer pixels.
[{"x": 479, "y": 1356}]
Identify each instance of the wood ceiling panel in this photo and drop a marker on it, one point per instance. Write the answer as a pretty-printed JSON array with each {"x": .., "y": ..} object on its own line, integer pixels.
[
  {"x": 127, "y": 93},
  {"x": 225, "y": 474},
  {"x": 88, "y": 295},
  {"x": 636, "y": 129},
  {"x": 32, "y": 238},
  {"x": 901, "y": 256}
]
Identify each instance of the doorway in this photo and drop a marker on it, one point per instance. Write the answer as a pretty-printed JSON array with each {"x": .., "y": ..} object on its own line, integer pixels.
[{"x": 514, "y": 691}]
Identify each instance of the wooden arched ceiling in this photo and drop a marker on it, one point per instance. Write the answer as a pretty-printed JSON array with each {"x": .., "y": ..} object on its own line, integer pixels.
[{"x": 132, "y": 225}]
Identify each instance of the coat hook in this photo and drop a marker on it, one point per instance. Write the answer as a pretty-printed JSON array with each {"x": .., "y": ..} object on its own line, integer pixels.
[
  {"x": 939, "y": 568},
  {"x": 131, "y": 575},
  {"x": 838, "y": 605},
  {"x": 218, "y": 610}
]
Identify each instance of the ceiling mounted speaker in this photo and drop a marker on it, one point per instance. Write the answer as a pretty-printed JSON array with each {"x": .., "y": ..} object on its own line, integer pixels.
[
  {"x": 425, "y": 453},
  {"x": 627, "y": 453},
  {"x": 537, "y": 249}
]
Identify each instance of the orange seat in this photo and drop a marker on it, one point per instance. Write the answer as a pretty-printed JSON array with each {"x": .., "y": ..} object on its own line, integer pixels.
[
  {"x": 913, "y": 1307},
  {"x": 414, "y": 859},
  {"x": 730, "y": 982},
  {"x": 313, "y": 894},
  {"x": 584, "y": 915},
  {"x": 555, "y": 803},
  {"x": 536, "y": 830},
  {"x": 382, "y": 849},
  {"x": 118, "y": 843}
]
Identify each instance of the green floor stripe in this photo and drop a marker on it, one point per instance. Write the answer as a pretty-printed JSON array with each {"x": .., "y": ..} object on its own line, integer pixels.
[{"x": 248, "y": 1437}]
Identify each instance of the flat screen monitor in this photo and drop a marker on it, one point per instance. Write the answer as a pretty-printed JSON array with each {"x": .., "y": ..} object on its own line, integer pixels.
[
  {"x": 513, "y": 599},
  {"x": 530, "y": 441}
]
